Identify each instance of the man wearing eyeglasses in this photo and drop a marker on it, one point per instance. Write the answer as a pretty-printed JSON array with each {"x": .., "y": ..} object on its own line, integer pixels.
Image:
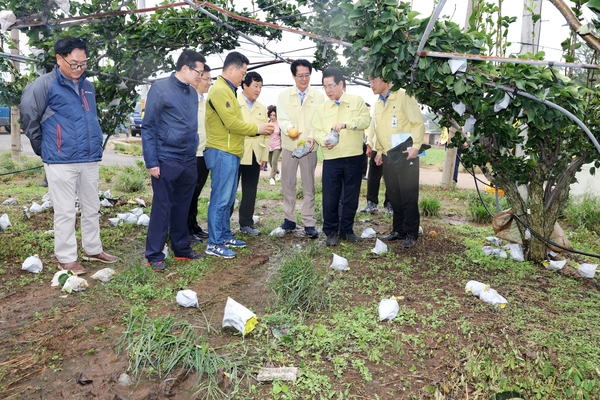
[
  {"x": 296, "y": 107},
  {"x": 169, "y": 143},
  {"x": 196, "y": 233},
  {"x": 58, "y": 115},
  {"x": 346, "y": 116}
]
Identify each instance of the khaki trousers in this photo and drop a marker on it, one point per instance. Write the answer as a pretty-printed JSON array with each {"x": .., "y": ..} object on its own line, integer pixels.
[
  {"x": 66, "y": 182},
  {"x": 289, "y": 171}
]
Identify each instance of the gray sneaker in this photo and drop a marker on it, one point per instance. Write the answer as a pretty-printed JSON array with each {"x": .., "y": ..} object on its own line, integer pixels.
[
  {"x": 370, "y": 208},
  {"x": 250, "y": 230},
  {"x": 388, "y": 208}
]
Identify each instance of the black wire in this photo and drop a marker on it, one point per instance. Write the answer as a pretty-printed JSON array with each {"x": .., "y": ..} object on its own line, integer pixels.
[
  {"x": 518, "y": 218},
  {"x": 21, "y": 170}
]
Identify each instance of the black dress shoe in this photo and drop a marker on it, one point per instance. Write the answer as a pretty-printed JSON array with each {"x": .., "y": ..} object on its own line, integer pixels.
[
  {"x": 194, "y": 239},
  {"x": 200, "y": 233},
  {"x": 392, "y": 236},
  {"x": 351, "y": 237},
  {"x": 331, "y": 239}
]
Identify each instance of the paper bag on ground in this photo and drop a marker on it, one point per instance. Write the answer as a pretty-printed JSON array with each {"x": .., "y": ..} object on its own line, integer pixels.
[
  {"x": 75, "y": 284},
  {"x": 4, "y": 222},
  {"x": 587, "y": 270},
  {"x": 61, "y": 277},
  {"x": 339, "y": 263},
  {"x": 239, "y": 317},
  {"x": 493, "y": 297},
  {"x": 187, "y": 298},
  {"x": 554, "y": 265},
  {"x": 104, "y": 275},
  {"x": 475, "y": 287},
  {"x": 388, "y": 309},
  {"x": 368, "y": 233},
  {"x": 33, "y": 264},
  {"x": 379, "y": 248}
]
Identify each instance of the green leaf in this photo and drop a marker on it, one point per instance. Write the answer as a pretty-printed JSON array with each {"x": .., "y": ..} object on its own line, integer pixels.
[{"x": 459, "y": 87}]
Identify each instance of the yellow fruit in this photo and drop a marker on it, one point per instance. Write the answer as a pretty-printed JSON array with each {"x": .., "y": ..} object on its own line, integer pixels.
[
  {"x": 301, "y": 143},
  {"x": 293, "y": 133},
  {"x": 432, "y": 234}
]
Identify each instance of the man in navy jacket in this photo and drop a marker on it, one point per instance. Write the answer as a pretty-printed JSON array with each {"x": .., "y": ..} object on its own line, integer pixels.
[
  {"x": 169, "y": 142},
  {"x": 58, "y": 115}
]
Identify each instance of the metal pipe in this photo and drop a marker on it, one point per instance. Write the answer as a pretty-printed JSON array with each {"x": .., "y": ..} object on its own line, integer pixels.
[{"x": 428, "y": 29}]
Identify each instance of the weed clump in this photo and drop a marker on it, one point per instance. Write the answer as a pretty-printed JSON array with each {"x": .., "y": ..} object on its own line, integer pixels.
[
  {"x": 477, "y": 210},
  {"x": 430, "y": 207},
  {"x": 132, "y": 179},
  {"x": 584, "y": 212},
  {"x": 298, "y": 285}
]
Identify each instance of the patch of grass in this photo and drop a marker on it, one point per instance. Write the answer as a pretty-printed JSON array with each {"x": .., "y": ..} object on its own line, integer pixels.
[
  {"x": 430, "y": 207},
  {"x": 478, "y": 212},
  {"x": 299, "y": 285},
  {"x": 7, "y": 164},
  {"x": 435, "y": 155},
  {"x": 584, "y": 211},
  {"x": 133, "y": 149},
  {"x": 159, "y": 346},
  {"x": 132, "y": 179}
]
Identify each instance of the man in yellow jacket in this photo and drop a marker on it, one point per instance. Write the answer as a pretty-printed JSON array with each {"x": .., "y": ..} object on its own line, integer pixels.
[
  {"x": 296, "y": 107},
  {"x": 225, "y": 133},
  {"x": 342, "y": 118},
  {"x": 256, "y": 149},
  {"x": 396, "y": 117}
]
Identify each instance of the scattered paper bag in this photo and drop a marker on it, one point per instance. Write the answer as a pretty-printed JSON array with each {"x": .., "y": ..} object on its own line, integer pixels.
[
  {"x": 46, "y": 197},
  {"x": 35, "y": 208},
  {"x": 301, "y": 151},
  {"x": 137, "y": 211},
  {"x": 368, "y": 233},
  {"x": 494, "y": 241},
  {"x": 75, "y": 284},
  {"x": 267, "y": 374},
  {"x": 140, "y": 202},
  {"x": 516, "y": 251},
  {"x": 388, "y": 309},
  {"x": 143, "y": 220},
  {"x": 33, "y": 264},
  {"x": 106, "y": 203},
  {"x": 491, "y": 251},
  {"x": 333, "y": 138},
  {"x": 339, "y": 263},
  {"x": 587, "y": 270},
  {"x": 46, "y": 205},
  {"x": 239, "y": 317},
  {"x": 555, "y": 265},
  {"x": 114, "y": 221},
  {"x": 493, "y": 297},
  {"x": 104, "y": 275},
  {"x": 131, "y": 218},
  {"x": 10, "y": 202},
  {"x": 61, "y": 277},
  {"x": 5, "y": 221},
  {"x": 379, "y": 248},
  {"x": 256, "y": 219},
  {"x": 476, "y": 287},
  {"x": 278, "y": 232},
  {"x": 187, "y": 298}
]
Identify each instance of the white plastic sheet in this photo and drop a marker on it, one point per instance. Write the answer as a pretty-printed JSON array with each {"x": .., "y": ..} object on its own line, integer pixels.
[
  {"x": 459, "y": 108},
  {"x": 35, "y": 208},
  {"x": 368, "y": 233},
  {"x": 458, "y": 66},
  {"x": 106, "y": 203},
  {"x": 7, "y": 18},
  {"x": 516, "y": 251},
  {"x": 33, "y": 264},
  {"x": 555, "y": 265},
  {"x": 469, "y": 124},
  {"x": 56, "y": 278},
  {"x": 379, "y": 248},
  {"x": 143, "y": 220},
  {"x": 10, "y": 202},
  {"x": 587, "y": 270},
  {"x": 492, "y": 297},
  {"x": 5, "y": 221},
  {"x": 278, "y": 232},
  {"x": 75, "y": 284},
  {"x": 475, "y": 287},
  {"x": 104, "y": 275}
]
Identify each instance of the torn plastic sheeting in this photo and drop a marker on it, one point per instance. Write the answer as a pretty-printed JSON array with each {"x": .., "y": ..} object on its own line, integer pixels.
[
  {"x": 469, "y": 124},
  {"x": 516, "y": 251},
  {"x": 75, "y": 284},
  {"x": 339, "y": 263},
  {"x": 492, "y": 297},
  {"x": 143, "y": 220},
  {"x": 494, "y": 241},
  {"x": 115, "y": 221},
  {"x": 137, "y": 211},
  {"x": 187, "y": 298},
  {"x": 491, "y": 251},
  {"x": 278, "y": 232},
  {"x": 388, "y": 309},
  {"x": 106, "y": 203},
  {"x": 10, "y": 202},
  {"x": 140, "y": 202},
  {"x": 33, "y": 264},
  {"x": 239, "y": 317},
  {"x": 35, "y": 208},
  {"x": 64, "y": 5},
  {"x": 46, "y": 205}
]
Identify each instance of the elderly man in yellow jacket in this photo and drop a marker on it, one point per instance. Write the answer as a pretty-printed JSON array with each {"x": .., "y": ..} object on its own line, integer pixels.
[
  {"x": 342, "y": 118},
  {"x": 296, "y": 107},
  {"x": 256, "y": 149},
  {"x": 397, "y": 115}
]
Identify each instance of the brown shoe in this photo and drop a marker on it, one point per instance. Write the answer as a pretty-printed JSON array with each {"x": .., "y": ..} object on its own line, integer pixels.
[
  {"x": 102, "y": 257},
  {"x": 74, "y": 267}
]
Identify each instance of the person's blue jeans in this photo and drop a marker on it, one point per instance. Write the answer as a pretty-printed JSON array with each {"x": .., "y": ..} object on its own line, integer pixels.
[{"x": 224, "y": 169}]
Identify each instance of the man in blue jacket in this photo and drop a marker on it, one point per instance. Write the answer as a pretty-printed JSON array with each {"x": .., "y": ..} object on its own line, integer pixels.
[
  {"x": 169, "y": 143},
  {"x": 58, "y": 115}
]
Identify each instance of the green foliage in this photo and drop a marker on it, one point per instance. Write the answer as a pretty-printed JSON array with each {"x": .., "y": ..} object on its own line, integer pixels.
[
  {"x": 430, "y": 207},
  {"x": 584, "y": 211},
  {"x": 7, "y": 164},
  {"x": 132, "y": 179},
  {"x": 479, "y": 208}
]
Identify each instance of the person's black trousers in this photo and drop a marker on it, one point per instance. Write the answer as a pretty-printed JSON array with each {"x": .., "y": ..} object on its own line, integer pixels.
[
  {"x": 341, "y": 176},
  {"x": 402, "y": 183},
  {"x": 374, "y": 181},
  {"x": 192, "y": 222},
  {"x": 249, "y": 175}
]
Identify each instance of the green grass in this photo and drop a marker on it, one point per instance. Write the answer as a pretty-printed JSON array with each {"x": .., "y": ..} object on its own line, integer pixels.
[
  {"x": 584, "y": 211},
  {"x": 133, "y": 149}
]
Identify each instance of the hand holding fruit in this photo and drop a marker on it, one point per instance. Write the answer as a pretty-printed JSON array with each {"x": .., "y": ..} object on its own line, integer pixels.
[{"x": 293, "y": 133}]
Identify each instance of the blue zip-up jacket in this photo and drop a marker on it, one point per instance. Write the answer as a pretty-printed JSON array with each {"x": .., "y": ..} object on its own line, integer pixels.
[
  {"x": 170, "y": 125},
  {"x": 60, "y": 121}
]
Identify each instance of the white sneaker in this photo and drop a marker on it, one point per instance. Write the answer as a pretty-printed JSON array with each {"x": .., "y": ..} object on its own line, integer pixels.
[{"x": 272, "y": 182}]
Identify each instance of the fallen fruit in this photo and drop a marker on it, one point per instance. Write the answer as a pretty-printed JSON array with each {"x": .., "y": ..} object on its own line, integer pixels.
[
  {"x": 293, "y": 133},
  {"x": 432, "y": 234}
]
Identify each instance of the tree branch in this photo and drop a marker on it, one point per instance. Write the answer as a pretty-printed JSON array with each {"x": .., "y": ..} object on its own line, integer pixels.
[{"x": 574, "y": 23}]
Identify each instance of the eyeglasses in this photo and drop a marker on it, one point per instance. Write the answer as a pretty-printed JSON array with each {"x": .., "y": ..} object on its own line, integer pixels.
[
  {"x": 330, "y": 87},
  {"x": 306, "y": 76},
  {"x": 198, "y": 72},
  {"x": 206, "y": 79},
  {"x": 74, "y": 66}
]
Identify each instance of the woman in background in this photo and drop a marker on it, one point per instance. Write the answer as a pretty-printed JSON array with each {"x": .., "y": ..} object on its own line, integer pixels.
[{"x": 274, "y": 145}]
